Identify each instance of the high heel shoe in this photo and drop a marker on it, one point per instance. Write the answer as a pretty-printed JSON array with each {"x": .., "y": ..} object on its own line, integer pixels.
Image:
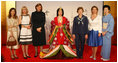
[
  {"x": 16, "y": 56},
  {"x": 12, "y": 57},
  {"x": 91, "y": 56},
  {"x": 94, "y": 58},
  {"x": 25, "y": 57},
  {"x": 36, "y": 54},
  {"x": 28, "y": 56}
]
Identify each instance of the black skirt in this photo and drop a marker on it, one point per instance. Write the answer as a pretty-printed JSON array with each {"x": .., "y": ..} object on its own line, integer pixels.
[{"x": 39, "y": 38}]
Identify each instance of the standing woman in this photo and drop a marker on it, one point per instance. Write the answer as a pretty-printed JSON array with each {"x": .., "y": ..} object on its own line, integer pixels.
[
  {"x": 107, "y": 32},
  {"x": 80, "y": 31},
  {"x": 38, "y": 31},
  {"x": 25, "y": 34},
  {"x": 12, "y": 27},
  {"x": 95, "y": 28}
]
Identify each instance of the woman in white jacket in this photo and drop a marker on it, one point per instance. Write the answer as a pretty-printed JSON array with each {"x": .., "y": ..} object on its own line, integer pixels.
[{"x": 95, "y": 30}]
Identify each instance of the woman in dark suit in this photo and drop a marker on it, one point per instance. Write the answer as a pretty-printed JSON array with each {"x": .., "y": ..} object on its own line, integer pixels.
[{"x": 38, "y": 30}]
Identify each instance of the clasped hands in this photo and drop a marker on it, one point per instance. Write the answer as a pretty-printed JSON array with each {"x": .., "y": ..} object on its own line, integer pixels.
[{"x": 39, "y": 29}]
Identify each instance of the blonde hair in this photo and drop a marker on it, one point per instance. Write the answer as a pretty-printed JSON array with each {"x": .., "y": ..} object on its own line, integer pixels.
[{"x": 22, "y": 10}]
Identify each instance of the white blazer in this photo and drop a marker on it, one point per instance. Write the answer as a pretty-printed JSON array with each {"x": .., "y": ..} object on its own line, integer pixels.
[{"x": 95, "y": 24}]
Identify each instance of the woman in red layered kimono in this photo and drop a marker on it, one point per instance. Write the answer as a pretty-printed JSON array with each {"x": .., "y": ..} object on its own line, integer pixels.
[{"x": 60, "y": 39}]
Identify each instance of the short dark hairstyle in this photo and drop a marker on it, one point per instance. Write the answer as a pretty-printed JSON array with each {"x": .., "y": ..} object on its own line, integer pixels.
[
  {"x": 80, "y": 8},
  {"x": 39, "y": 4},
  {"x": 62, "y": 11},
  {"x": 106, "y": 6}
]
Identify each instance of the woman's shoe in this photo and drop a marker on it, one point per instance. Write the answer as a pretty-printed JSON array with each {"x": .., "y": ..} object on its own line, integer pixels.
[
  {"x": 91, "y": 56},
  {"x": 16, "y": 56},
  {"x": 101, "y": 58},
  {"x": 12, "y": 57},
  {"x": 28, "y": 56},
  {"x": 94, "y": 58},
  {"x": 105, "y": 59},
  {"x": 36, "y": 55},
  {"x": 25, "y": 57}
]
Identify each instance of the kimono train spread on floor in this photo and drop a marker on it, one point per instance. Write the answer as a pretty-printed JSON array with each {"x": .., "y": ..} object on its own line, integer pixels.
[{"x": 60, "y": 40}]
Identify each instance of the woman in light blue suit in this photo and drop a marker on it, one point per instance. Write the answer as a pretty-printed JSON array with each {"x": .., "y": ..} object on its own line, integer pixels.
[{"x": 107, "y": 32}]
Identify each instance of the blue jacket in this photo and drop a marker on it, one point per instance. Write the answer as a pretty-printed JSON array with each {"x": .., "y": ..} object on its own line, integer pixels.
[{"x": 80, "y": 26}]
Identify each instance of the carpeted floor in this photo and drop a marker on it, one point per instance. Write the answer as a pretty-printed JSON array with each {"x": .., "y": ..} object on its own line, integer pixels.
[{"x": 87, "y": 52}]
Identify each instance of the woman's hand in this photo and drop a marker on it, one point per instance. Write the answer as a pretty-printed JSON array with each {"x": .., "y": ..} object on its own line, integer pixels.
[
  {"x": 39, "y": 29},
  {"x": 103, "y": 33},
  {"x": 99, "y": 34},
  {"x": 28, "y": 27},
  {"x": 10, "y": 26},
  {"x": 74, "y": 36}
]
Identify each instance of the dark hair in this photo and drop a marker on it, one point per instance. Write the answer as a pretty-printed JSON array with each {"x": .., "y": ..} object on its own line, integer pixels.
[
  {"x": 39, "y": 4},
  {"x": 15, "y": 16},
  {"x": 80, "y": 8},
  {"x": 94, "y": 7},
  {"x": 62, "y": 11},
  {"x": 106, "y": 6}
]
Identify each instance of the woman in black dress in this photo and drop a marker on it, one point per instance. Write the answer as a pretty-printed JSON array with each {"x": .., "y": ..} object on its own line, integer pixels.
[{"x": 38, "y": 30}]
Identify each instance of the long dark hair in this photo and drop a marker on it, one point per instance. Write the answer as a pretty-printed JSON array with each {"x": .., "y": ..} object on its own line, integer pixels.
[
  {"x": 62, "y": 11},
  {"x": 15, "y": 16}
]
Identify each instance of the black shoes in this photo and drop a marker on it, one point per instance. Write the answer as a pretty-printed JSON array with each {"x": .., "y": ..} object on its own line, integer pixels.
[
  {"x": 81, "y": 57},
  {"x": 36, "y": 55},
  {"x": 28, "y": 57},
  {"x": 25, "y": 57}
]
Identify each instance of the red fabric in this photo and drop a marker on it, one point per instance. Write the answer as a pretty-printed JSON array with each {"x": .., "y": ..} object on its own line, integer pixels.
[
  {"x": 87, "y": 52},
  {"x": 60, "y": 39}
]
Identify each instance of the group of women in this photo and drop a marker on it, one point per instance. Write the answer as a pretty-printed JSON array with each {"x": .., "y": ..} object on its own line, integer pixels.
[{"x": 96, "y": 30}]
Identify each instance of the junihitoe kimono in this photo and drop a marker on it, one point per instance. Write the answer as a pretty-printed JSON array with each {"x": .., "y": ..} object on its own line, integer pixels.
[
  {"x": 60, "y": 40},
  {"x": 108, "y": 25}
]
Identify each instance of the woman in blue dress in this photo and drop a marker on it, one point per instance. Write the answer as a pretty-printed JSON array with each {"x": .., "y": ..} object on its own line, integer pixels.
[
  {"x": 95, "y": 28},
  {"x": 107, "y": 32}
]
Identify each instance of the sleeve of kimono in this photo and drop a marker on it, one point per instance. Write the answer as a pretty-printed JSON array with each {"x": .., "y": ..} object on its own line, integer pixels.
[
  {"x": 100, "y": 25},
  {"x": 67, "y": 25},
  {"x": 52, "y": 25},
  {"x": 43, "y": 22},
  {"x": 86, "y": 25},
  {"x": 110, "y": 27},
  {"x": 74, "y": 27}
]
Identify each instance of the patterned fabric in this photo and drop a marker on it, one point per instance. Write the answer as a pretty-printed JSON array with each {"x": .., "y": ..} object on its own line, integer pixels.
[
  {"x": 25, "y": 35},
  {"x": 15, "y": 30},
  {"x": 60, "y": 39},
  {"x": 95, "y": 24}
]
